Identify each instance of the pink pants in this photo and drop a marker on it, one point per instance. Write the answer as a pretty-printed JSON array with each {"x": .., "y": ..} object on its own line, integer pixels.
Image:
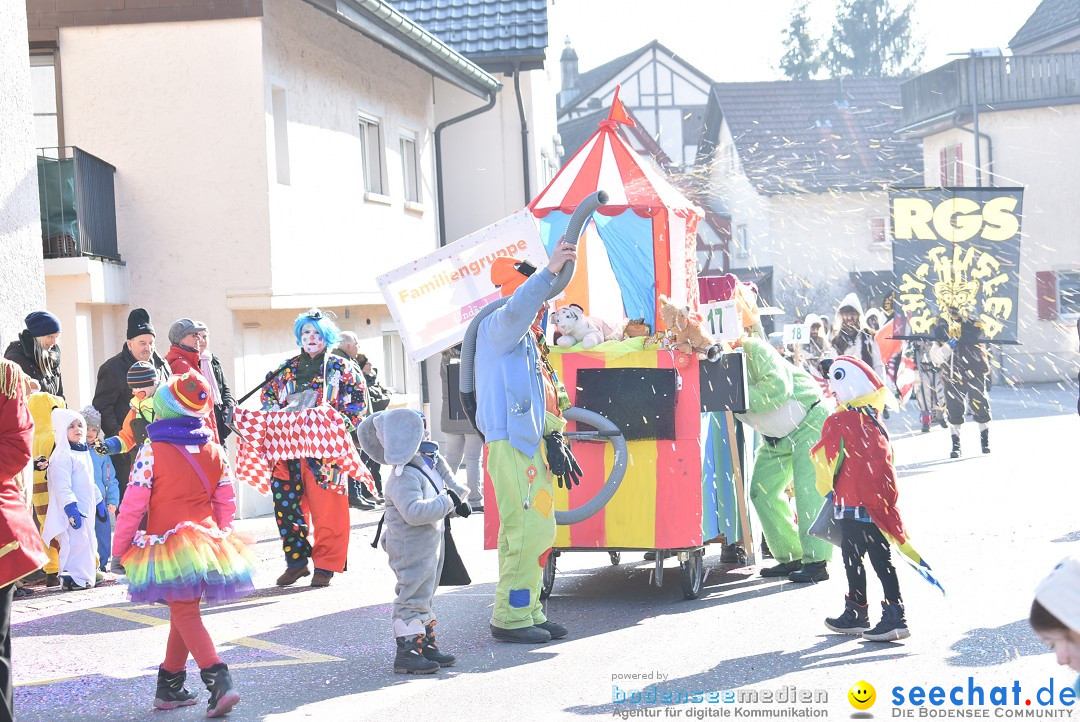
[{"x": 187, "y": 634}]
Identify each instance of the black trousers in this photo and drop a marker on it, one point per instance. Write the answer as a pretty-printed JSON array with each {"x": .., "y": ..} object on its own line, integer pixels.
[
  {"x": 862, "y": 538},
  {"x": 7, "y": 713},
  {"x": 972, "y": 389}
]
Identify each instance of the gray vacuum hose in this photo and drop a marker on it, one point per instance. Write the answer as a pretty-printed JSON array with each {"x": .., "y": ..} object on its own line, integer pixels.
[{"x": 605, "y": 429}]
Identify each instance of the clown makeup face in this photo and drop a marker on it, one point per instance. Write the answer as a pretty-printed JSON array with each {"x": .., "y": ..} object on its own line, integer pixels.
[
  {"x": 311, "y": 340},
  {"x": 77, "y": 432},
  {"x": 1066, "y": 646}
]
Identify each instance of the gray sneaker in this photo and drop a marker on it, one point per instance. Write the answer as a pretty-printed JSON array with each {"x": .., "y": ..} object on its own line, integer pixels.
[
  {"x": 115, "y": 566},
  {"x": 525, "y": 635}
]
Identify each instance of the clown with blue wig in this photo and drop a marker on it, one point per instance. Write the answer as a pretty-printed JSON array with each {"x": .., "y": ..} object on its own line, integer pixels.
[{"x": 305, "y": 494}]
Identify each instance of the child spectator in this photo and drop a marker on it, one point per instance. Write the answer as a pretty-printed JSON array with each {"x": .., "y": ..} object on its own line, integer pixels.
[
  {"x": 108, "y": 487},
  {"x": 1055, "y": 613},
  {"x": 413, "y": 539},
  {"x": 142, "y": 379},
  {"x": 181, "y": 482},
  {"x": 74, "y": 501}
]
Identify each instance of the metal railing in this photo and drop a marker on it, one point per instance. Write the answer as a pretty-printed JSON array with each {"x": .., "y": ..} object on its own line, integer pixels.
[
  {"x": 998, "y": 81},
  {"x": 78, "y": 204}
]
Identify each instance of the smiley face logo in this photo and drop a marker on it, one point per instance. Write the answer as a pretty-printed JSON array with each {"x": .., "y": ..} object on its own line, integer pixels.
[{"x": 862, "y": 695}]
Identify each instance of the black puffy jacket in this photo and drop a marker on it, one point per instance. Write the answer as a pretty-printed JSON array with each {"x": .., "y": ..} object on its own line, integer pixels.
[{"x": 21, "y": 352}]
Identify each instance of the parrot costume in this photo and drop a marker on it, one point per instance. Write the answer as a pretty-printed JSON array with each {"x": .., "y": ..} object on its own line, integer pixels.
[{"x": 853, "y": 463}]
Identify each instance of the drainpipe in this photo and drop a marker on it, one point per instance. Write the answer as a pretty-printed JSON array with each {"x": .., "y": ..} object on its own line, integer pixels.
[
  {"x": 524, "y": 134},
  {"x": 989, "y": 149},
  {"x": 438, "y": 158}
]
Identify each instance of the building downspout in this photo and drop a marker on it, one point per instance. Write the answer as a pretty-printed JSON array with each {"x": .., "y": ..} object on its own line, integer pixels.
[
  {"x": 438, "y": 158},
  {"x": 989, "y": 148},
  {"x": 524, "y": 134}
]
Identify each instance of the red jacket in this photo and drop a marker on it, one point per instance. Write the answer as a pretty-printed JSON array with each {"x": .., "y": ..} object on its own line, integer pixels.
[
  {"x": 181, "y": 361},
  {"x": 857, "y": 452},
  {"x": 21, "y": 548}
]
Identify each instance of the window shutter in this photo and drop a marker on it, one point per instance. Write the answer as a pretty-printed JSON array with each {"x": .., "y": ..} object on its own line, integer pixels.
[
  {"x": 944, "y": 162},
  {"x": 959, "y": 151},
  {"x": 1046, "y": 295}
]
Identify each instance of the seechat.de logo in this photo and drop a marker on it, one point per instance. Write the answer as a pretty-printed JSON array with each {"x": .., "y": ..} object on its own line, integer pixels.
[{"x": 862, "y": 695}]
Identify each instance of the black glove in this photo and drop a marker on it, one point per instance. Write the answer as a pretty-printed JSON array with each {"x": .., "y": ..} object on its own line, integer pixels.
[
  {"x": 561, "y": 460},
  {"x": 41, "y": 463},
  {"x": 461, "y": 507}
]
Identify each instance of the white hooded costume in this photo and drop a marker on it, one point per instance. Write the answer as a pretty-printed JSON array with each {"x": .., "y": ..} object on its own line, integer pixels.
[
  {"x": 415, "y": 509},
  {"x": 71, "y": 479},
  {"x": 864, "y": 347}
]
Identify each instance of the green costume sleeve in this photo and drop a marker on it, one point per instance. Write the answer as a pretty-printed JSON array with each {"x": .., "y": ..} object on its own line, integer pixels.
[{"x": 771, "y": 382}]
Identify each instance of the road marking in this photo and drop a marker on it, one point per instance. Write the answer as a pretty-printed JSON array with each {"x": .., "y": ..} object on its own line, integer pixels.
[{"x": 292, "y": 655}]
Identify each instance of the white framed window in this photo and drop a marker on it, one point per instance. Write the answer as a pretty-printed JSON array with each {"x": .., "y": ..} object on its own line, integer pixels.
[
  {"x": 1068, "y": 294},
  {"x": 371, "y": 148},
  {"x": 394, "y": 375},
  {"x": 880, "y": 231},
  {"x": 279, "y": 109},
  {"x": 43, "y": 100},
  {"x": 410, "y": 166},
  {"x": 741, "y": 241}
]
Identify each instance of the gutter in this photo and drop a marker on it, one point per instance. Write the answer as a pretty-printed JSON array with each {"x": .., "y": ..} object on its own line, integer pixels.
[
  {"x": 989, "y": 147},
  {"x": 524, "y": 134},
  {"x": 408, "y": 39}
]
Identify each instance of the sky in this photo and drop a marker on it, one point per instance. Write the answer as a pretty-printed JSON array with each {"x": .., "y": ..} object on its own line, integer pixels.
[{"x": 741, "y": 41}]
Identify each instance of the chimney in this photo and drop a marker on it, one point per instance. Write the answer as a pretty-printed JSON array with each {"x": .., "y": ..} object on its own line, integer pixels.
[{"x": 568, "y": 61}]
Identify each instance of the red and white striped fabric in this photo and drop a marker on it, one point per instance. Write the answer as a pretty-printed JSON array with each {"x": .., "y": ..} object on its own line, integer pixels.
[{"x": 267, "y": 437}]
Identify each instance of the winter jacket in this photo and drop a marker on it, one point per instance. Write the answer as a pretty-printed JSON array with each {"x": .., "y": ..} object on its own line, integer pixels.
[
  {"x": 21, "y": 352},
  {"x": 182, "y": 361},
  {"x": 510, "y": 402},
  {"x": 227, "y": 399},
  {"x": 112, "y": 395},
  {"x": 448, "y": 425},
  {"x": 18, "y": 534},
  {"x": 105, "y": 479},
  {"x": 863, "y": 347}
]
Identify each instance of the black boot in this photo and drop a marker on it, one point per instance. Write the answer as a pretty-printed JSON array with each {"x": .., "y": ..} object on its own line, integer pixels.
[
  {"x": 955, "y": 453},
  {"x": 854, "y": 621},
  {"x": 984, "y": 435},
  {"x": 892, "y": 626},
  {"x": 810, "y": 572},
  {"x": 431, "y": 649},
  {"x": 766, "y": 553},
  {"x": 782, "y": 570},
  {"x": 170, "y": 692},
  {"x": 410, "y": 657},
  {"x": 222, "y": 695}
]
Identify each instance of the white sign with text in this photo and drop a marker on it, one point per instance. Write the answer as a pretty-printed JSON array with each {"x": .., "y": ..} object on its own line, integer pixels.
[{"x": 722, "y": 320}]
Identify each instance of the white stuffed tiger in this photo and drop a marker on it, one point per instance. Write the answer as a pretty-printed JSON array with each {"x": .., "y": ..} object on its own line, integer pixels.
[{"x": 576, "y": 327}]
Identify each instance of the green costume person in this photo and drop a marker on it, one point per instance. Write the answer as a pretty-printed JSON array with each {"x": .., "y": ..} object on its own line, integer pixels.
[{"x": 787, "y": 409}]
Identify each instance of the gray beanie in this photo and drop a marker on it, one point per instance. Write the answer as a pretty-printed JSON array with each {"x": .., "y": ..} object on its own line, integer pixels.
[
  {"x": 183, "y": 327},
  {"x": 92, "y": 416}
]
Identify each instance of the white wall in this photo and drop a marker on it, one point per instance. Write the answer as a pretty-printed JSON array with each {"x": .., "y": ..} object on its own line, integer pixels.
[
  {"x": 22, "y": 279},
  {"x": 178, "y": 109},
  {"x": 1034, "y": 148}
]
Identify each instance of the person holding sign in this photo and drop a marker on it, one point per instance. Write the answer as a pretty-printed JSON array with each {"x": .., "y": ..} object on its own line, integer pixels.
[{"x": 519, "y": 405}]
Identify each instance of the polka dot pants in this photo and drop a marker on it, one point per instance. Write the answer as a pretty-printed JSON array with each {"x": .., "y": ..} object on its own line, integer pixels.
[{"x": 292, "y": 525}]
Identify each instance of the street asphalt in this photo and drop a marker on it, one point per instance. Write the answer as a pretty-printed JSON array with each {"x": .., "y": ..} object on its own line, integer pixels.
[{"x": 991, "y": 526}]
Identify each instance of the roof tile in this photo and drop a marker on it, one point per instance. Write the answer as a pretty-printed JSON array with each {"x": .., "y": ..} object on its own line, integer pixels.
[{"x": 504, "y": 28}]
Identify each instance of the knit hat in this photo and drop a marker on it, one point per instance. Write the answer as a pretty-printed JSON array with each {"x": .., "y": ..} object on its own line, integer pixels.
[
  {"x": 42, "y": 323},
  {"x": 139, "y": 323},
  {"x": 185, "y": 395},
  {"x": 93, "y": 417},
  {"x": 183, "y": 327},
  {"x": 1059, "y": 593},
  {"x": 509, "y": 273},
  {"x": 141, "y": 374}
]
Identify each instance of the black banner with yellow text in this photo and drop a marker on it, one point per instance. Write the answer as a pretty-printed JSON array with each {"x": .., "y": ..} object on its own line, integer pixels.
[{"x": 956, "y": 258}]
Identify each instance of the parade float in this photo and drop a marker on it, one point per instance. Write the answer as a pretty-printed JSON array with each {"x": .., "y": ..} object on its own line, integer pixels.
[{"x": 685, "y": 467}]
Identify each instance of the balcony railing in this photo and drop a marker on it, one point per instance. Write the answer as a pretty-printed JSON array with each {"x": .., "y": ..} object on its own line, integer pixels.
[
  {"x": 1000, "y": 82},
  {"x": 78, "y": 204}
]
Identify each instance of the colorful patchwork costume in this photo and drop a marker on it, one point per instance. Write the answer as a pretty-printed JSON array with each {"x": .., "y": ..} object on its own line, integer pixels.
[{"x": 308, "y": 492}]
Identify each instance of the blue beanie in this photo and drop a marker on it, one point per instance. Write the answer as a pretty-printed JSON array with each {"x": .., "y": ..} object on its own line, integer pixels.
[{"x": 42, "y": 323}]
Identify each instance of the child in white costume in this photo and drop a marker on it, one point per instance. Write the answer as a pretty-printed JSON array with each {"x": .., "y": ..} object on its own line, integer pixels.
[
  {"x": 74, "y": 501},
  {"x": 420, "y": 491}
]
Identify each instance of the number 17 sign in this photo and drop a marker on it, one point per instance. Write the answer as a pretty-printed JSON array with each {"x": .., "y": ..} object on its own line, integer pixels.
[{"x": 722, "y": 320}]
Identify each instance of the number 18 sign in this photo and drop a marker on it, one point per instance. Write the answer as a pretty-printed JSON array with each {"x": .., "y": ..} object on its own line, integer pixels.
[{"x": 795, "y": 333}]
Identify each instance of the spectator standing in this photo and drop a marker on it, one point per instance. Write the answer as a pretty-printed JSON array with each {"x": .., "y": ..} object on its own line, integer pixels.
[
  {"x": 17, "y": 530},
  {"x": 37, "y": 351},
  {"x": 224, "y": 403},
  {"x": 188, "y": 339},
  {"x": 462, "y": 441},
  {"x": 853, "y": 338},
  {"x": 112, "y": 396},
  {"x": 348, "y": 348}
]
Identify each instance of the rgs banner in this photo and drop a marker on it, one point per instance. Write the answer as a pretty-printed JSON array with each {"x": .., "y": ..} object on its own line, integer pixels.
[{"x": 956, "y": 258}]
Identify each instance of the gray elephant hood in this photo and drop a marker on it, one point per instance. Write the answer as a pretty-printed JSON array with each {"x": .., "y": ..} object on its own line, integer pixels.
[{"x": 392, "y": 437}]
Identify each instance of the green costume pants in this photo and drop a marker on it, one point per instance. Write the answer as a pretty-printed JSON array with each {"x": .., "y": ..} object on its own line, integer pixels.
[
  {"x": 774, "y": 468},
  {"x": 525, "y": 535}
]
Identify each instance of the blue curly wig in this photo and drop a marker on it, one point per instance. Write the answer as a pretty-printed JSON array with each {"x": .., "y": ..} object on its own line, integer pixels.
[{"x": 329, "y": 330}]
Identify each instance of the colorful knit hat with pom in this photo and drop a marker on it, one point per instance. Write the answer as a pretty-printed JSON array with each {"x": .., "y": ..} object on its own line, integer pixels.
[{"x": 185, "y": 395}]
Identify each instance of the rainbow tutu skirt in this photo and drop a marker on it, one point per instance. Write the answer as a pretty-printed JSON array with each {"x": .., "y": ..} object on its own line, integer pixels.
[{"x": 190, "y": 562}]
